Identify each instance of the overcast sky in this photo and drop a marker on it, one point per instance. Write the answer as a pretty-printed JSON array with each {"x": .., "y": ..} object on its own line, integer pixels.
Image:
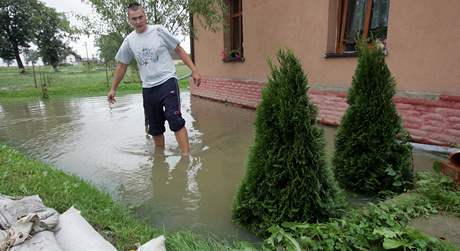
[{"x": 73, "y": 7}]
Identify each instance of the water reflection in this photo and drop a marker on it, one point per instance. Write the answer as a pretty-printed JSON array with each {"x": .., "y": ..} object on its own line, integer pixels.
[
  {"x": 175, "y": 192},
  {"x": 107, "y": 147}
]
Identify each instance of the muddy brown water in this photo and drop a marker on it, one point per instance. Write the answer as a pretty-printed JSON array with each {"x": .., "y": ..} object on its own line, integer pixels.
[{"x": 108, "y": 147}]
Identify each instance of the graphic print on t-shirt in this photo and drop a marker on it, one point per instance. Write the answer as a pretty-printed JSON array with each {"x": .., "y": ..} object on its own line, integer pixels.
[{"x": 146, "y": 56}]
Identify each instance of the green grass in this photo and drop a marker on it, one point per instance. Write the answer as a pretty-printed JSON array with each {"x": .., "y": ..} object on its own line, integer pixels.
[
  {"x": 381, "y": 226},
  {"x": 68, "y": 81},
  {"x": 22, "y": 176}
]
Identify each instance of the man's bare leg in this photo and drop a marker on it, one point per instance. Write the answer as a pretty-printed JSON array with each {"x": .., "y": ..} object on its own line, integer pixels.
[
  {"x": 159, "y": 141},
  {"x": 182, "y": 140}
]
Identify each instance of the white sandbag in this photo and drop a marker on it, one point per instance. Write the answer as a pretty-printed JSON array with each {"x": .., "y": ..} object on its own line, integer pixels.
[
  {"x": 76, "y": 234},
  {"x": 156, "y": 244},
  {"x": 23, "y": 220},
  {"x": 11, "y": 208},
  {"x": 4, "y": 240},
  {"x": 40, "y": 241}
]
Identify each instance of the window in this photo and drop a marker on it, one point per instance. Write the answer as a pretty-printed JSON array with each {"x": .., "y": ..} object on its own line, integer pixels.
[
  {"x": 365, "y": 18},
  {"x": 233, "y": 35}
]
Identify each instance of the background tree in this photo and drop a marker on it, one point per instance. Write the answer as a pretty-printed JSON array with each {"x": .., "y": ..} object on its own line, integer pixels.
[
  {"x": 287, "y": 178},
  {"x": 5, "y": 50},
  {"x": 8, "y": 62},
  {"x": 50, "y": 36},
  {"x": 111, "y": 24},
  {"x": 173, "y": 14},
  {"x": 108, "y": 46},
  {"x": 373, "y": 153},
  {"x": 16, "y": 28},
  {"x": 30, "y": 21},
  {"x": 31, "y": 56}
]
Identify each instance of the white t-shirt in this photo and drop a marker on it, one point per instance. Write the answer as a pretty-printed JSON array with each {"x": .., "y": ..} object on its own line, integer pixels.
[{"x": 151, "y": 49}]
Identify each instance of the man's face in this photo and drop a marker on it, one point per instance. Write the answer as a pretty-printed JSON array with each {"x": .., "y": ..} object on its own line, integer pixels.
[{"x": 137, "y": 19}]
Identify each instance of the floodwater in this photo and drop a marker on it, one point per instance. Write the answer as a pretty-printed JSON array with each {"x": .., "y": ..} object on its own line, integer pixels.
[{"x": 107, "y": 146}]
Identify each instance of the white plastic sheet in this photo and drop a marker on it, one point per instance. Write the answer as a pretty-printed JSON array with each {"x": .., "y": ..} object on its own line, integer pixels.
[
  {"x": 157, "y": 244},
  {"x": 42, "y": 228}
]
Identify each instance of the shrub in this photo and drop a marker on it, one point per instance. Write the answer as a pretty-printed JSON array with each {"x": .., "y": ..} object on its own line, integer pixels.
[
  {"x": 373, "y": 153},
  {"x": 287, "y": 176}
]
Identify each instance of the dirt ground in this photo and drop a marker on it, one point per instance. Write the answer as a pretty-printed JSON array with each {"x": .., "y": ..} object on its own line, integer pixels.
[{"x": 444, "y": 227}]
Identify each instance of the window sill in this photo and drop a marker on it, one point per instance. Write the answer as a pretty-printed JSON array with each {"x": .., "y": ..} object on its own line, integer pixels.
[
  {"x": 349, "y": 54},
  {"x": 229, "y": 60},
  {"x": 341, "y": 55}
]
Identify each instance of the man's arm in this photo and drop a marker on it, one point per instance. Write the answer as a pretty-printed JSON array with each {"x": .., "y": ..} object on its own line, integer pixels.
[
  {"x": 188, "y": 61},
  {"x": 118, "y": 76}
]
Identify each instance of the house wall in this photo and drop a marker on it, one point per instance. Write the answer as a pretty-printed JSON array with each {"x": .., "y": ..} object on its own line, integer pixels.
[{"x": 423, "y": 54}]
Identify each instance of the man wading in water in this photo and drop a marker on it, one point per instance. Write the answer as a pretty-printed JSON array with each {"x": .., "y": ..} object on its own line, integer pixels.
[{"x": 150, "y": 46}]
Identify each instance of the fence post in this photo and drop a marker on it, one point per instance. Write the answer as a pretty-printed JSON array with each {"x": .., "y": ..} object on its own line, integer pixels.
[
  {"x": 43, "y": 85},
  {"x": 35, "y": 78},
  {"x": 48, "y": 80}
]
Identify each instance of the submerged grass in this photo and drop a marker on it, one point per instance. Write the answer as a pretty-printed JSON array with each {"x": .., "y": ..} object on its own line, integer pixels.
[{"x": 22, "y": 176}]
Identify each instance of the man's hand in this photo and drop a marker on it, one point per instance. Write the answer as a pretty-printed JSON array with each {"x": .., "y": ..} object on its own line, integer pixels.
[
  {"x": 111, "y": 96},
  {"x": 188, "y": 61},
  {"x": 118, "y": 76},
  {"x": 196, "y": 78}
]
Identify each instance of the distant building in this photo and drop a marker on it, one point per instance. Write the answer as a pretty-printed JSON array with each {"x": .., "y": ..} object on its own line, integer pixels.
[{"x": 73, "y": 58}]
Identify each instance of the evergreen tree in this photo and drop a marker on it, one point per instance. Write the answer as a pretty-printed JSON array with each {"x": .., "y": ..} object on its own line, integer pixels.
[
  {"x": 373, "y": 153},
  {"x": 287, "y": 177}
]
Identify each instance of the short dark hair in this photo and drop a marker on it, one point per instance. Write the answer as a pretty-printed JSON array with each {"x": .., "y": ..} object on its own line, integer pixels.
[{"x": 134, "y": 6}]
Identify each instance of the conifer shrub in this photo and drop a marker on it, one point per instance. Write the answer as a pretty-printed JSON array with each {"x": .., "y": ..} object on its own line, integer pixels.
[
  {"x": 287, "y": 178},
  {"x": 373, "y": 153}
]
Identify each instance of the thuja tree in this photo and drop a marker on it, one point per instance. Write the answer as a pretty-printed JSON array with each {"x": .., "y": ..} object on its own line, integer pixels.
[
  {"x": 373, "y": 153},
  {"x": 287, "y": 178}
]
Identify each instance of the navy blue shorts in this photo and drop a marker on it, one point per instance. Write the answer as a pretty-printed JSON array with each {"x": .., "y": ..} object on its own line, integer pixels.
[{"x": 161, "y": 103}]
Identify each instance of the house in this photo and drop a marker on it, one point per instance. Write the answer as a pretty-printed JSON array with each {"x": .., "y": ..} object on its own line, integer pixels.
[
  {"x": 71, "y": 59},
  {"x": 422, "y": 40}
]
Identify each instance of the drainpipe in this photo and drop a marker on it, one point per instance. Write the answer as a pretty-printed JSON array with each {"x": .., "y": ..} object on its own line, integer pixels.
[{"x": 192, "y": 39}]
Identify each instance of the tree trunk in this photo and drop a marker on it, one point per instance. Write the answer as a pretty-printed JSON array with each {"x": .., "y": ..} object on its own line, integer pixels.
[{"x": 18, "y": 59}]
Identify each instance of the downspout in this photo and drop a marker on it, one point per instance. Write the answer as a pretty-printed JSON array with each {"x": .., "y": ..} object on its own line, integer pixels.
[{"x": 192, "y": 39}]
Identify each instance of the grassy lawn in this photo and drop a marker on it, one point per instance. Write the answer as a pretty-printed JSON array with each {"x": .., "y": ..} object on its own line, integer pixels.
[{"x": 75, "y": 80}]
